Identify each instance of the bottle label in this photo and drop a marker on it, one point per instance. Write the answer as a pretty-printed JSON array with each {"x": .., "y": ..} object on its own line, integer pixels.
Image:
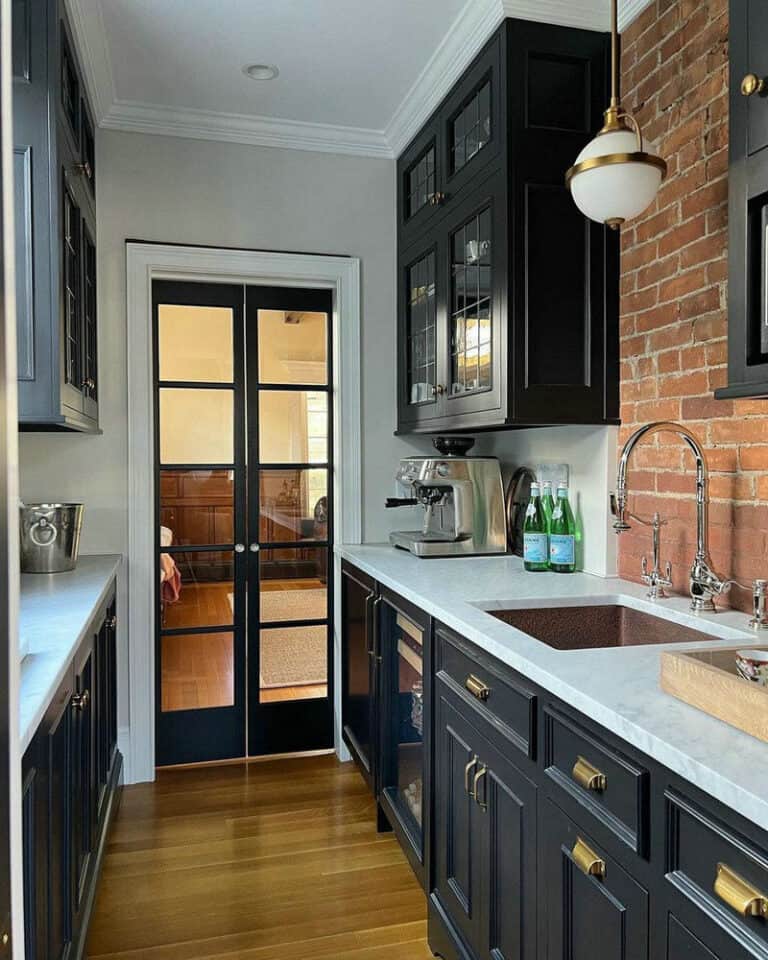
[
  {"x": 562, "y": 548},
  {"x": 535, "y": 547}
]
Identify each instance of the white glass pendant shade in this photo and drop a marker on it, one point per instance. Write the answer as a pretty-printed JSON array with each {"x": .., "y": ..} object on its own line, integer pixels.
[{"x": 621, "y": 186}]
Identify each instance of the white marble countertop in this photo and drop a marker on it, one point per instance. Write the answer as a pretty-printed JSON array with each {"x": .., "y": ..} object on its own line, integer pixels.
[
  {"x": 617, "y": 688},
  {"x": 55, "y": 611}
]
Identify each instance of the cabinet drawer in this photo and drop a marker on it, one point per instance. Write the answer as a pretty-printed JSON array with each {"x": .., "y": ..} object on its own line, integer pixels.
[
  {"x": 719, "y": 871},
  {"x": 606, "y": 783},
  {"x": 499, "y": 698}
]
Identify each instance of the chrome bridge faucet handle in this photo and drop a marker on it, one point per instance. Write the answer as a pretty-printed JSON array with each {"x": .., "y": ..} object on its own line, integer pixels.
[
  {"x": 759, "y": 619},
  {"x": 654, "y": 579}
]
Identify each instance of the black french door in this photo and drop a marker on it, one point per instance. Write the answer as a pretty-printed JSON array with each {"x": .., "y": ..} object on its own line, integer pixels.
[{"x": 243, "y": 441}]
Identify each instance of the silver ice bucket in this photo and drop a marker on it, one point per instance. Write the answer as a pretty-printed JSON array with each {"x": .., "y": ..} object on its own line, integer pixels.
[{"x": 50, "y": 536}]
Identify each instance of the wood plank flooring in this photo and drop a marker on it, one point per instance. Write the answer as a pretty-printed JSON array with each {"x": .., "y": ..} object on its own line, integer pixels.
[
  {"x": 277, "y": 860},
  {"x": 198, "y": 669}
]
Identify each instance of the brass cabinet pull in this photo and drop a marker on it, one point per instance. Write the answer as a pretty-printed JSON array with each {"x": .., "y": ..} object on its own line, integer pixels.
[
  {"x": 588, "y": 776},
  {"x": 472, "y": 763},
  {"x": 587, "y": 860},
  {"x": 80, "y": 700},
  {"x": 477, "y": 688},
  {"x": 752, "y": 84},
  {"x": 738, "y": 894},
  {"x": 437, "y": 198},
  {"x": 475, "y": 783}
]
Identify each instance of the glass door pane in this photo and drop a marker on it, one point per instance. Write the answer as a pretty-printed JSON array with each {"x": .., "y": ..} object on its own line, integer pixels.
[
  {"x": 289, "y": 400},
  {"x": 421, "y": 313},
  {"x": 402, "y": 649},
  {"x": 470, "y": 306},
  {"x": 200, "y": 519}
]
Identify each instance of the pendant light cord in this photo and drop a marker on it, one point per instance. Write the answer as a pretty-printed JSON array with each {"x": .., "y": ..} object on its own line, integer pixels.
[{"x": 614, "y": 53}]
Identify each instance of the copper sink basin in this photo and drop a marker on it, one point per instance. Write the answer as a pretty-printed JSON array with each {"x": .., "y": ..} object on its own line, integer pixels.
[{"x": 590, "y": 627}]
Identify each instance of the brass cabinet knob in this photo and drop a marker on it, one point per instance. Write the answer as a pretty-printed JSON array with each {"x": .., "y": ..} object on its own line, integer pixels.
[
  {"x": 84, "y": 169},
  {"x": 81, "y": 700},
  {"x": 588, "y": 776},
  {"x": 587, "y": 860},
  {"x": 111, "y": 622},
  {"x": 477, "y": 688},
  {"x": 738, "y": 894},
  {"x": 439, "y": 390},
  {"x": 437, "y": 198},
  {"x": 89, "y": 384},
  {"x": 752, "y": 84}
]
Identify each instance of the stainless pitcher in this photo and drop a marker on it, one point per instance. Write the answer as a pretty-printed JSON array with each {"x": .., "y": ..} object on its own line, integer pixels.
[{"x": 50, "y": 536}]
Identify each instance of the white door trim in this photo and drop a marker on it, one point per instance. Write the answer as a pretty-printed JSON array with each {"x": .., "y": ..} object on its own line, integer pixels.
[{"x": 146, "y": 262}]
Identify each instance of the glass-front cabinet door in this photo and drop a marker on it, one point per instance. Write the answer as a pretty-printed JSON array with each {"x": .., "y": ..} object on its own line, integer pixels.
[
  {"x": 477, "y": 255},
  {"x": 403, "y": 647},
  {"x": 420, "y": 181},
  {"x": 420, "y": 311},
  {"x": 471, "y": 125}
]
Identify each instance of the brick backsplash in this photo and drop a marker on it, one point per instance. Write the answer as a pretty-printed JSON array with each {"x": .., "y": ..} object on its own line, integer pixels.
[{"x": 674, "y": 279}]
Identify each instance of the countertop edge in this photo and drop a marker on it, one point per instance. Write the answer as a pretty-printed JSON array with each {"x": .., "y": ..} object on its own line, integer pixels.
[{"x": 65, "y": 654}]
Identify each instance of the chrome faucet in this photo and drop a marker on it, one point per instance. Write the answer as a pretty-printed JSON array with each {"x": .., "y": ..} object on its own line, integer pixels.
[{"x": 705, "y": 584}]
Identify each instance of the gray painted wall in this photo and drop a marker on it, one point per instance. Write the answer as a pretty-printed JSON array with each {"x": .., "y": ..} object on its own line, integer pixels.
[{"x": 221, "y": 194}]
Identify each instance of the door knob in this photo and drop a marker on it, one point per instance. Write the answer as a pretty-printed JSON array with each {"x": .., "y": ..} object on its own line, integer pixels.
[
  {"x": 239, "y": 548},
  {"x": 752, "y": 84}
]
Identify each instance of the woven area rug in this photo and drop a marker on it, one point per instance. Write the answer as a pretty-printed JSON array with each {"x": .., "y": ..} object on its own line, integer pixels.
[{"x": 293, "y": 656}]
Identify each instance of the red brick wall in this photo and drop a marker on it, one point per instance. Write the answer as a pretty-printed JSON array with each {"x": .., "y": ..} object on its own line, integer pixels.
[{"x": 674, "y": 297}]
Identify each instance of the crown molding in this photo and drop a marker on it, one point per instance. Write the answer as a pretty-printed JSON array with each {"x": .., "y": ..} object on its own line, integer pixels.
[
  {"x": 238, "y": 128},
  {"x": 470, "y": 30},
  {"x": 473, "y": 26},
  {"x": 90, "y": 37}
]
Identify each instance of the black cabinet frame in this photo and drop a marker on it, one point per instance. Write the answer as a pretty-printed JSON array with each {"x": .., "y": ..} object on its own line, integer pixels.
[{"x": 555, "y": 275}]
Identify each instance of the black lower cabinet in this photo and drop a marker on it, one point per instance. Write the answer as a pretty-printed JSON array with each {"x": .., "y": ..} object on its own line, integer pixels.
[
  {"x": 540, "y": 834},
  {"x": 484, "y": 885},
  {"x": 359, "y": 669},
  {"x": 69, "y": 798},
  {"x": 590, "y": 906},
  {"x": 403, "y": 730}
]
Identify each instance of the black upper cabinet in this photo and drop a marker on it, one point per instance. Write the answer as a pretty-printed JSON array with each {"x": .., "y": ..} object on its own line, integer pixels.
[
  {"x": 54, "y": 158},
  {"x": 748, "y": 204},
  {"x": 507, "y": 296}
]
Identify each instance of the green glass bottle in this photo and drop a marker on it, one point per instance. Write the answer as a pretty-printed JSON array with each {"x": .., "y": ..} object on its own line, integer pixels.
[
  {"x": 562, "y": 534},
  {"x": 547, "y": 501},
  {"x": 535, "y": 540}
]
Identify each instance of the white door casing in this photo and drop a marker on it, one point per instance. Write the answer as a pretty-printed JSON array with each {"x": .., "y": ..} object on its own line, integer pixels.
[{"x": 146, "y": 262}]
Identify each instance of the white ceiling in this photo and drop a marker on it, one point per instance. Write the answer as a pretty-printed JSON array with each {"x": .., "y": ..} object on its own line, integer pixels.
[{"x": 356, "y": 76}]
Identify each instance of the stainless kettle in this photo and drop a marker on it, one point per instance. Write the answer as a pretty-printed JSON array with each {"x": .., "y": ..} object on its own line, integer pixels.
[{"x": 50, "y": 536}]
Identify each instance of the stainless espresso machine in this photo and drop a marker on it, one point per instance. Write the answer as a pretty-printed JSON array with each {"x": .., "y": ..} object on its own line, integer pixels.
[{"x": 463, "y": 501}]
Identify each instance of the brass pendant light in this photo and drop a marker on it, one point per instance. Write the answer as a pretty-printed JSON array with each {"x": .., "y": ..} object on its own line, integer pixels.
[{"x": 614, "y": 178}]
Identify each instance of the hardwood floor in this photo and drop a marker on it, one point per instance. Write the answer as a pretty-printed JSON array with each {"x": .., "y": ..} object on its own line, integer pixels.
[
  {"x": 197, "y": 669},
  {"x": 277, "y": 860}
]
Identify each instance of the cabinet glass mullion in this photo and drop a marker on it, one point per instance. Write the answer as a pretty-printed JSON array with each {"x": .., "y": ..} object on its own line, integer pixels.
[
  {"x": 470, "y": 305},
  {"x": 421, "y": 322}
]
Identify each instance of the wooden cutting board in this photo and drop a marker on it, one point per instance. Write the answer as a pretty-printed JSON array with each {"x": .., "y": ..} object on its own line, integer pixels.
[{"x": 707, "y": 679}]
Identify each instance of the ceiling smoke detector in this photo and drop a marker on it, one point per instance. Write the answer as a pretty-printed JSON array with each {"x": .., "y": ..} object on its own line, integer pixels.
[{"x": 260, "y": 71}]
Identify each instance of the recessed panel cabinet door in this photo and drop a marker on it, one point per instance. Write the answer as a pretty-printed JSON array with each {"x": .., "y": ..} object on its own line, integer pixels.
[
  {"x": 458, "y": 845},
  {"x": 588, "y": 905},
  {"x": 509, "y": 833}
]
